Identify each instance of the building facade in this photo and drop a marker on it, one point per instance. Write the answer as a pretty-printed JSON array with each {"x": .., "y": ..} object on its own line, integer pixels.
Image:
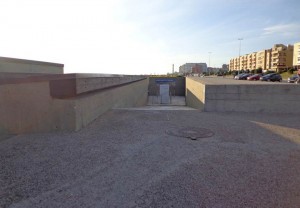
[
  {"x": 278, "y": 58},
  {"x": 296, "y": 56},
  {"x": 225, "y": 67},
  {"x": 261, "y": 59},
  {"x": 189, "y": 68},
  {"x": 282, "y": 57}
]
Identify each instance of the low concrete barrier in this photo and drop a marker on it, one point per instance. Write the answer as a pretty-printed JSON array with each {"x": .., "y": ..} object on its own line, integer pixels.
[
  {"x": 13, "y": 65},
  {"x": 242, "y": 96},
  {"x": 65, "y": 102}
]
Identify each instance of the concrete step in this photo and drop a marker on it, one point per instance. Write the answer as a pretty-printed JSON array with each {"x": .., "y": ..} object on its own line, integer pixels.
[
  {"x": 158, "y": 108},
  {"x": 174, "y": 101}
]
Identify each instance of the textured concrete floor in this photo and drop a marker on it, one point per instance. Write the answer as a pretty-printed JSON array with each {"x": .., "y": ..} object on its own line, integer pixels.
[
  {"x": 174, "y": 100},
  {"x": 126, "y": 159}
]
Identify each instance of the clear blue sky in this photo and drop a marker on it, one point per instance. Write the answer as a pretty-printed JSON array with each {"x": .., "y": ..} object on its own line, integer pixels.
[{"x": 143, "y": 37}]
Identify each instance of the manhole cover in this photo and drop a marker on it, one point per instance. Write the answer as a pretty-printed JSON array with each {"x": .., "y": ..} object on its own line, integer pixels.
[{"x": 191, "y": 133}]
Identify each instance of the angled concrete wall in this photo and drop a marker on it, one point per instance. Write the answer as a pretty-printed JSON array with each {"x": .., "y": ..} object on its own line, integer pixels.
[
  {"x": 89, "y": 107},
  {"x": 35, "y": 105},
  {"x": 13, "y": 65},
  {"x": 195, "y": 94},
  {"x": 254, "y": 97}
]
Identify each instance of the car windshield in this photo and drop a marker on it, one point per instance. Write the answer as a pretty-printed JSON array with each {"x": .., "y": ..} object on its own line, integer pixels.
[{"x": 267, "y": 75}]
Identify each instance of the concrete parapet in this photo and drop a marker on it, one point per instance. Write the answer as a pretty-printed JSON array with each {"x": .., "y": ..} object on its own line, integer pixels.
[
  {"x": 32, "y": 105},
  {"x": 253, "y": 97},
  {"x": 13, "y": 65},
  {"x": 63, "y": 88}
]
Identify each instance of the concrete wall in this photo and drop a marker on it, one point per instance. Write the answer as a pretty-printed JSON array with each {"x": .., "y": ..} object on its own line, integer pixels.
[
  {"x": 178, "y": 88},
  {"x": 260, "y": 97},
  {"x": 30, "y": 107},
  {"x": 195, "y": 94},
  {"x": 12, "y": 65},
  {"x": 89, "y": 107}
]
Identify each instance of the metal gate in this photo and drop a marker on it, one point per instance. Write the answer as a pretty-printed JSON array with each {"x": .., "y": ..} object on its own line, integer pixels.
[{"x": 164, "y": 92}]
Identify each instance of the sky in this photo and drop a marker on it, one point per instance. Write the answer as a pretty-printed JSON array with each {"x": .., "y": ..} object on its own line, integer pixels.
[{"x": 142, "y": 36}]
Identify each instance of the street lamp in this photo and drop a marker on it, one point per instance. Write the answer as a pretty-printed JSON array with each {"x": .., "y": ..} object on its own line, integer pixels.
[
  {"x": 240, "y": 39},
  {"x": 208, "y": 62}
]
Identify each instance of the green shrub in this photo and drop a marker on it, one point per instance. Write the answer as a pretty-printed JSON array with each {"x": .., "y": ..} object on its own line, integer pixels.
[
  {"x": 259, "y": 70},
  {"x": 291, "y": 71}
]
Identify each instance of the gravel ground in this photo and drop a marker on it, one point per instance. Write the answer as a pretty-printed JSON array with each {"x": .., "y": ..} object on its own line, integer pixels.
[{"x": 126, "y": 159}]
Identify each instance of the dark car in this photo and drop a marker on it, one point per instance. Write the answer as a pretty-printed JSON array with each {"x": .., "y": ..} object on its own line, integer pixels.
[
  {"x": 293, "y": 78},
  {"x": 271, "y": 77},
  {"x": 238, "y": 76},
  {"x": 254, "y": 77},
  {"x": 242, "y": 76},
  {"x": 220, "y": 74}
]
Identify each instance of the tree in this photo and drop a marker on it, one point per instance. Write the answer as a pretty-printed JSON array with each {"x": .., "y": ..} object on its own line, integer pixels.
[{"x": 259, "y": 70}]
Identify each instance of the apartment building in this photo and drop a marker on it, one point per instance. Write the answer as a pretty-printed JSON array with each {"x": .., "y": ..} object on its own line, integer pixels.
[
  {"x": 282, "y": 57},
  {"x": 278, "y": 58},
  {"x": 244, "y": 62},
  {"x": 188, "y": 68},
  {"x": 231, "y": 64},
  {"x": 261, "y": 59},
  {"x": 251, "y": 61},
  {"x": 296, "y": 56},
  {"x": 268, "y": 59}
]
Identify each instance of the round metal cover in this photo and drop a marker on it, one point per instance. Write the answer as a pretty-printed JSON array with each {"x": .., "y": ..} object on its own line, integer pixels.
[{"x": 193, "y": 133}]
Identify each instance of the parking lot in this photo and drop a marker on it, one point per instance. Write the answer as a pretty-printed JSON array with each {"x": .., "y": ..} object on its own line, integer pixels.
[{"x": 230, "y": 80}]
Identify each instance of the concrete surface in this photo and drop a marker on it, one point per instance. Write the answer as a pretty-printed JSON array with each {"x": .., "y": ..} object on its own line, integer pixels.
[
  {"x": 158, "y": 108},
  {"x": 174, "y": 100},
  {"x": 228, "y": 95},
  {"x": 126, "y": 159},
  {"x": 14, "y": 65}
]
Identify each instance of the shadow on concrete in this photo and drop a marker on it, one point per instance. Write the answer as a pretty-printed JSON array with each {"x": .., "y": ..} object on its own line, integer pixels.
[{"x": 193, "y": 101}]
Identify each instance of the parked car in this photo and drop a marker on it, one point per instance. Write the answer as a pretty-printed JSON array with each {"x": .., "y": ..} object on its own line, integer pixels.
[
  {"x": 238, "y": 76},
  {"x": 293, "y": 78},
  {"x": 220, "y": 74},
  {"x": 242, "y": 76},
  {"x": 254, "y": 77},
  {"x": 271, "y": 77}
]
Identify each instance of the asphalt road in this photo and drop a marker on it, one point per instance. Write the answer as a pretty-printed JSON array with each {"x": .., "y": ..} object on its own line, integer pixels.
[{"x": 128, "y": 158}]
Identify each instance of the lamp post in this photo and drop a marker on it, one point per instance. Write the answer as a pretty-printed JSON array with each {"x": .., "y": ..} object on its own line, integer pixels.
[
  {"x": 208, "y": 62},
  {"x": 240, "y": 39}
]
